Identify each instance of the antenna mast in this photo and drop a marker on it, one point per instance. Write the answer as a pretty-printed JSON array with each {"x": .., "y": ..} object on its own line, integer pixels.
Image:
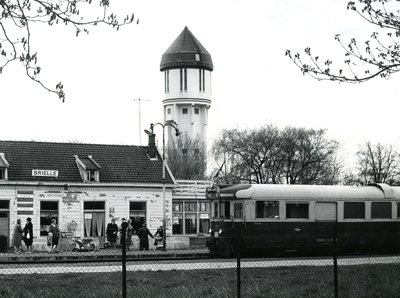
[{"x": 140, "y": 121}]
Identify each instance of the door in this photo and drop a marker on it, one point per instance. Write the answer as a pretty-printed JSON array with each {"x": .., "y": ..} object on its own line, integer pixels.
[{"x": 94, "y": 220}]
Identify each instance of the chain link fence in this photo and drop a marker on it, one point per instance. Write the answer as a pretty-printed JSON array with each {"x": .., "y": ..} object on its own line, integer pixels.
[{"x": 108, "y": 272}]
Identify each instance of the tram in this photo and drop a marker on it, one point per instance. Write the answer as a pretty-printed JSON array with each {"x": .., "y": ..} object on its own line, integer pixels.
[{"x": 305, "y": 218}]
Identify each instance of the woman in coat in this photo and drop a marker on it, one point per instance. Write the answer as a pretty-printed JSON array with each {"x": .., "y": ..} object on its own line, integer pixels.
[
  {"x": 17, "y": 236},
  {"x": 28, "y": 235},
  {"x": 112, "y": 230},
  {"x": 55, "y": 231}
]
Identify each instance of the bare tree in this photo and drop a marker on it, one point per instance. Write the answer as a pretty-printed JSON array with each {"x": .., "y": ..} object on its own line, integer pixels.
[
  {"x": 309, "y": 157},
  {"x": 378, "y": 163},
  {"x": 186, "y": 158},
  {"x": 378, "y": 57},
  {"x": 268, "y": 155},
  {"x": 17, "y": 17},
  {"x": 248, "y": 154}
]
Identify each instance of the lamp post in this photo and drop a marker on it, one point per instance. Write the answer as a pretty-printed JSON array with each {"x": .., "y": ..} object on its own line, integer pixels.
[{"x": 151, "y": 133}]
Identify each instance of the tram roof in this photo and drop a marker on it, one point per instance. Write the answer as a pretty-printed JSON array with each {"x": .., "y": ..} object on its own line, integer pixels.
[{"x": 310, "y": 192}]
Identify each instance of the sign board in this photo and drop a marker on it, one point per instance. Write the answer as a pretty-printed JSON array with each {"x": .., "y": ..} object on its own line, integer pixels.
[{"x": 45, "y": 173}]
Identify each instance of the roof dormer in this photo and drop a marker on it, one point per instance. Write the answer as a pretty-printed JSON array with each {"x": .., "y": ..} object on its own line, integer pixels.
[
  {"x": 89, "y": 168},
  {"x": 3, "y": 167}
]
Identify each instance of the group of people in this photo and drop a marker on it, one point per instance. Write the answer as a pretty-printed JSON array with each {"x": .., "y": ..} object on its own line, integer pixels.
[
  {"x": 143, "y": 234},
  {"x": 26, "y": 234},
  {"x": 53, "y": 235}
]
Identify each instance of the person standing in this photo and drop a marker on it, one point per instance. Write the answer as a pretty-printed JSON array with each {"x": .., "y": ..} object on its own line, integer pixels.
[
  {"x": 129, "y": 233},
  {"x": 123, "y": 231},
  {"x": 17, "y": 236},
  {"x": 160, "y": 234},
  {"x": 143, "y": 235},
  {"x": 112, "y": 230},
  {"x": 55, "y": 231},
  {"x": 28, "y": 235}
]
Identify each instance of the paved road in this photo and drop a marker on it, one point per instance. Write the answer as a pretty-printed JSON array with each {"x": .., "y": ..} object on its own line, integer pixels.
[{"x": 191, "y": 265}]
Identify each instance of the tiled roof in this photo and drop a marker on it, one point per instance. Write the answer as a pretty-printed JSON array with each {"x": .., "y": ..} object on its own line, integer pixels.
[
  {"x": 186, "y": 51},
  {"x": 119, "y": 163}
]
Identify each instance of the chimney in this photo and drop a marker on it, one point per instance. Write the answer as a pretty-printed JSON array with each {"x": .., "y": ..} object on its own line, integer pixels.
[{"x": 152, "y": 146}]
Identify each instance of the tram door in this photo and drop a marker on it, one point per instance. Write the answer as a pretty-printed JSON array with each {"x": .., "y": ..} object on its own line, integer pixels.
[{"x": 326, "y": 216}]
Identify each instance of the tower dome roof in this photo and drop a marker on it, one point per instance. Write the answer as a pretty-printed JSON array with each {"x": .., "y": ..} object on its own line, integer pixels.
[{"x": 186, "y": 51}]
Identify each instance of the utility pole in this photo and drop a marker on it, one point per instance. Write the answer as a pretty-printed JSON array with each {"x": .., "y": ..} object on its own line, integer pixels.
[{"x": 140, "y": 121}]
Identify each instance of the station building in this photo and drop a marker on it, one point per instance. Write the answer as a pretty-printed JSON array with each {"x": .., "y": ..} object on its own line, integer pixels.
[{"x": 83, "y": 186}]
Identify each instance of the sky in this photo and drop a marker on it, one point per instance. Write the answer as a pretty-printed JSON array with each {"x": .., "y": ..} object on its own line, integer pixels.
[{"x": 105, "y": 73}]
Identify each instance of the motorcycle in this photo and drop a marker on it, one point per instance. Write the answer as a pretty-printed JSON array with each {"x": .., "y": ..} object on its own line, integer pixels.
[{"x": 85, "y": 244}]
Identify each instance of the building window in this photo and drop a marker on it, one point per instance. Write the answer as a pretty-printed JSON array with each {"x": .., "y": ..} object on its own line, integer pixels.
[
  {"x": 94, "y": 216},
  {"x": 4, "y": 204},
  {"x": 91, "y": 176},
  {"x": 196, "y": 111},
  {"x": 183, "y": 79},
  {"x": 137, "y": 214},
  {"x": 48, "y": 211},
  {"x": 184, "y": 151},
  {"x": 191, "y": 217},
  {"x": 297, "y": 210},
  {"x": 204, "y": 217},
  {"x": 185, "y": 111},
  {"x": 3, "y": 174},
  {"x": 177, "y": 218},
  {"x": 354, "y": 210},
  {"x": 381, "y": 210},
  {"x": 268, "y": 209},
  {"x": 169, "y": 111}
]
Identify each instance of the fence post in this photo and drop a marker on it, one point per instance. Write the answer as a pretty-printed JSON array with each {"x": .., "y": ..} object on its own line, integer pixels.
[
  {"x": 123, "y": 242},
  {"x": 238, "y": 260},
  {"x": 335, "y": 269}
]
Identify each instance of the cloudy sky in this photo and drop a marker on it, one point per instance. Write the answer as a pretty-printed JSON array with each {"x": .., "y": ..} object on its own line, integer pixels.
[{"x": 253, "y": 82}]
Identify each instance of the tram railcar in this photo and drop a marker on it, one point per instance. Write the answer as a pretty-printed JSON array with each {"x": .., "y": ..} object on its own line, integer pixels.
[{"x": 310, "y": 218}]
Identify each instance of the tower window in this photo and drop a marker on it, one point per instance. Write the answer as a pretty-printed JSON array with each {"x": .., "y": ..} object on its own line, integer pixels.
[
  {"x": 202, "y": 80},
  {"x": 166, "y": 81},
  {"x": 169, "y": 111},
  {"x": 184, "y": 111},
  {"x": 197, "y": 111},
  {"x": 197, "y": 57},
  {"x": 183, "y": 79}
]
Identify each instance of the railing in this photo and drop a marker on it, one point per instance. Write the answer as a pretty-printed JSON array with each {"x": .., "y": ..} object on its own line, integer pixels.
[{"x": 191, "y": 188}]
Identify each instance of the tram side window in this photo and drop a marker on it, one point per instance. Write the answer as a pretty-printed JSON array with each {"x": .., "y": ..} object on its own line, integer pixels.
[
  {"x": 268, "y": 209},
  {"x": 296, "y": 210},
  {"x": 225, "y": 209},
  {"x": 354, "y": 210},
  {"x": 398, "y": 210},
  {"x": 238, "y": 210},
  {"x": 381, "y": 210}
]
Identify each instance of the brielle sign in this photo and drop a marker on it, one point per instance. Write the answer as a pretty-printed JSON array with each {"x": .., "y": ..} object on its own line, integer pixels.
[{"x": 45, "y": 173}]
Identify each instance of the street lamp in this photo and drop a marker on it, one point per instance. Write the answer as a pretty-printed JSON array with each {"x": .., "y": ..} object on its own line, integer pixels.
[{"x": 151, "y": 134}]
